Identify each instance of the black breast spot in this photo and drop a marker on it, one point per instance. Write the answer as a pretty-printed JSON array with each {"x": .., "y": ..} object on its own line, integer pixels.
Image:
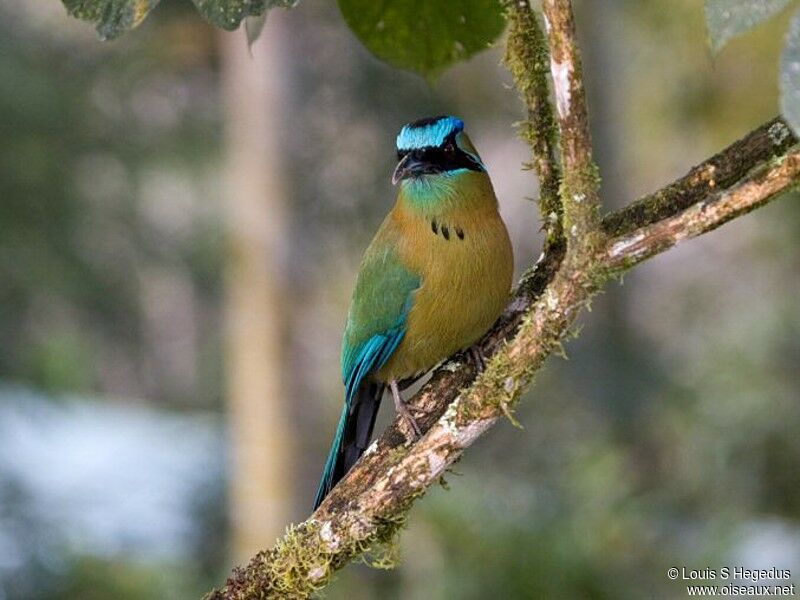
[
  {"x": 460, "y": 233},
  {"x": 445, "y": 232},
  {"x": 434, "y": 226}
]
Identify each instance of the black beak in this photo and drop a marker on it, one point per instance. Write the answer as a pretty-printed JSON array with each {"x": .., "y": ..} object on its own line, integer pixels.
[{"x": 409, "y": 165}]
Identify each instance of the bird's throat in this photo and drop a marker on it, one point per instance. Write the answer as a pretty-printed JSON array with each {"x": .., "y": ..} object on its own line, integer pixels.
[{"x": 445, "y": 192}]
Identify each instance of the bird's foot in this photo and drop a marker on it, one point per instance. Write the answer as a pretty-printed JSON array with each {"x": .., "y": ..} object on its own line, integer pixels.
[
  {"x": 403, "y": 411},
  {"x": 478, "y": 358}
]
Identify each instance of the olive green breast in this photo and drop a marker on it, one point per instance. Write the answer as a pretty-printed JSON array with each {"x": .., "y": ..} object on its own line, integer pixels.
[{"x": 462, "y": 253}]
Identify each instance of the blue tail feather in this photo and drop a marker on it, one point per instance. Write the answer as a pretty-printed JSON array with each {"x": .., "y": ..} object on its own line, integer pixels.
[
  {"x": 352, "y": 436},
  {"x": 327, "y": 483}
]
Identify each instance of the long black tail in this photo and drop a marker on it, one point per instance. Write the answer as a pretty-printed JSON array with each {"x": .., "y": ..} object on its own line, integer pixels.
[{"x": 352, "y": 436}]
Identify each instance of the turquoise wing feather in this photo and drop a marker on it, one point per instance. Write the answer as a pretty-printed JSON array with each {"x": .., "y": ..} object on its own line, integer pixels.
[
  {"x": 375, "y": 327},
  {"x": 376, "y": 322}
]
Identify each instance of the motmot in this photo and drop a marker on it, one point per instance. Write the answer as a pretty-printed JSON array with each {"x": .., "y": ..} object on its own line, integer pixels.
[{"x": 434, "y": 279}]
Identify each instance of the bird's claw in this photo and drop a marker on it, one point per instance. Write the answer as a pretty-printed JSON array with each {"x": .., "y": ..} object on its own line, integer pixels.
[
  {"x": 404, "y": 412},
  {"x": 477, "y": 357}
]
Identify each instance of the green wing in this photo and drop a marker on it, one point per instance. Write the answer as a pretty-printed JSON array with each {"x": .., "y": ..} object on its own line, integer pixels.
[
  {"x": 376, "y": 322},
  {"x": 375, "y": 327}
]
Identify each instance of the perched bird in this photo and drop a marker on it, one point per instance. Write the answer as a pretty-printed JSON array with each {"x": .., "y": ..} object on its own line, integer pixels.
[{"x": 434, "y": 279}]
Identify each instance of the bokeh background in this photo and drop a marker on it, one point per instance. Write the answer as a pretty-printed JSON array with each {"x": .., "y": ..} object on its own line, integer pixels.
[{"x": 181, "y": 221}]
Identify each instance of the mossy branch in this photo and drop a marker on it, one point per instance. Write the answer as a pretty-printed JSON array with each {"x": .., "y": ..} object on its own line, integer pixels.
[
  {"x": 725, "y": 168},
  {"x": 528, "y": 60},
  {"x": 370, "y": 505},
  {"x": 580, "y": 180},
  {"x": 763, "y": 184}
]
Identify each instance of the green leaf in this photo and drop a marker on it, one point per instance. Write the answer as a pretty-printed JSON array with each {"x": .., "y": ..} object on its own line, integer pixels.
[
  {"x": 114, "y": 17},
  {"x": 111, "y": 17},
  {"x": 425, "y": 36},
  {"x": 727, "y": 19},
  {"x": 228, "y": 14},
  {"x": 790, "y": 75}
]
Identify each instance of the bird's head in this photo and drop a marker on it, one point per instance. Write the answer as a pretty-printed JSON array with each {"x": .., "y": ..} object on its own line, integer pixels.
[{"x": 435, "y": 146}]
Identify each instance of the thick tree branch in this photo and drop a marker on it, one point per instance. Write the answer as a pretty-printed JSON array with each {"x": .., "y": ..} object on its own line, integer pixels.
[
  {"x": 528, "y": 60},
  {"x": 581, "y": 181}
]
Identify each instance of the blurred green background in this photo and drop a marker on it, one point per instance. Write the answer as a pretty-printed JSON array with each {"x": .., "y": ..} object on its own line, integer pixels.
[{"x": 180, "y": 226}]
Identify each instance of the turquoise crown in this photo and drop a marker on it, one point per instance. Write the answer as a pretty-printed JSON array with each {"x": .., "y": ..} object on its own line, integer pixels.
[{"x": 428, "y": 133}]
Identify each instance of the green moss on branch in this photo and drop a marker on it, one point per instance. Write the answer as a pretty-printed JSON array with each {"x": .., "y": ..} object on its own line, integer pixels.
[
  {"x": 528, "y": 61},
  {"x": 722, "y": 170},
  {"x": 581, "y": 180}
]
